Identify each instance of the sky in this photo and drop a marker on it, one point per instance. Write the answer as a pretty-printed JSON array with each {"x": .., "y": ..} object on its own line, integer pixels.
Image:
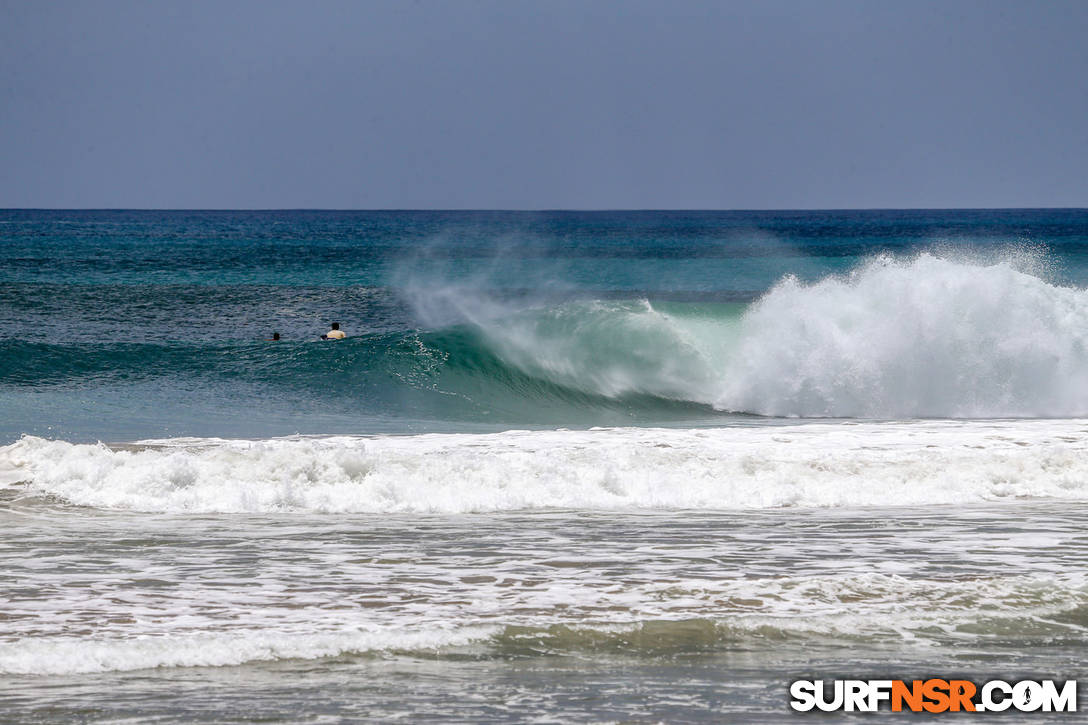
[{"x": 587, "y": 104}]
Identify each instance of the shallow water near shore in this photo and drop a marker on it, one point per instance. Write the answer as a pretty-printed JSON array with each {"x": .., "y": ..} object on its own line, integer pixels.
[{"x": 563, "y": 615}]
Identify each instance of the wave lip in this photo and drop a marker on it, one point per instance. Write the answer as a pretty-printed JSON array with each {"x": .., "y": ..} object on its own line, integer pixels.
[{"x": 814, "y": 465}]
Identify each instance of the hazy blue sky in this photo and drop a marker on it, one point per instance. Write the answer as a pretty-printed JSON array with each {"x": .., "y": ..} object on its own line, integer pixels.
[{"x": 588, "y": 104}]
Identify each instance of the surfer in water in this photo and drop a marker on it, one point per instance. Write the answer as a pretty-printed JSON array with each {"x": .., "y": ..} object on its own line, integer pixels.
[{"x": 335, "y": 333}]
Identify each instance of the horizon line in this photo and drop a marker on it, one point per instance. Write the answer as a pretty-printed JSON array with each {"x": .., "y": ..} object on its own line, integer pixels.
[{"x": 544, "y": 210}]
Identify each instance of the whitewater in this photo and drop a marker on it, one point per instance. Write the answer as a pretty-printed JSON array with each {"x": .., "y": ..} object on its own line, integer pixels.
[
  {"x": 817, "y": 465},
  {"x": 617, "y": 466}
]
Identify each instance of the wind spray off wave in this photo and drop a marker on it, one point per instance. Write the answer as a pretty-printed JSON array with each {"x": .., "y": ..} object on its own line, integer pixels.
[{"x": 923, "y": 337}]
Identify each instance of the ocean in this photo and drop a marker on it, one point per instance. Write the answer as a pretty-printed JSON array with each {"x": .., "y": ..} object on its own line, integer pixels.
[{"x": 566, "y": 466}]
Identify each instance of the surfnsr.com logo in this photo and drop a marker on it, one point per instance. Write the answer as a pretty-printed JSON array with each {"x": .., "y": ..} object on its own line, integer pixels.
[{"x": 934, "y": 695}]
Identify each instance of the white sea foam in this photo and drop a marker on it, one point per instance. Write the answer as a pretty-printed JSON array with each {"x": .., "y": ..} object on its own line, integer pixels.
[
  {"x": 924, "y": 337},
  {"x": 815, "y": 465},
  {"x": 587, "y": 612}
]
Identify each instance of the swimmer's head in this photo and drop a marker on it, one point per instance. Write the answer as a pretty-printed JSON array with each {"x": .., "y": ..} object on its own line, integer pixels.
[{"x": 336, "y": 325}]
